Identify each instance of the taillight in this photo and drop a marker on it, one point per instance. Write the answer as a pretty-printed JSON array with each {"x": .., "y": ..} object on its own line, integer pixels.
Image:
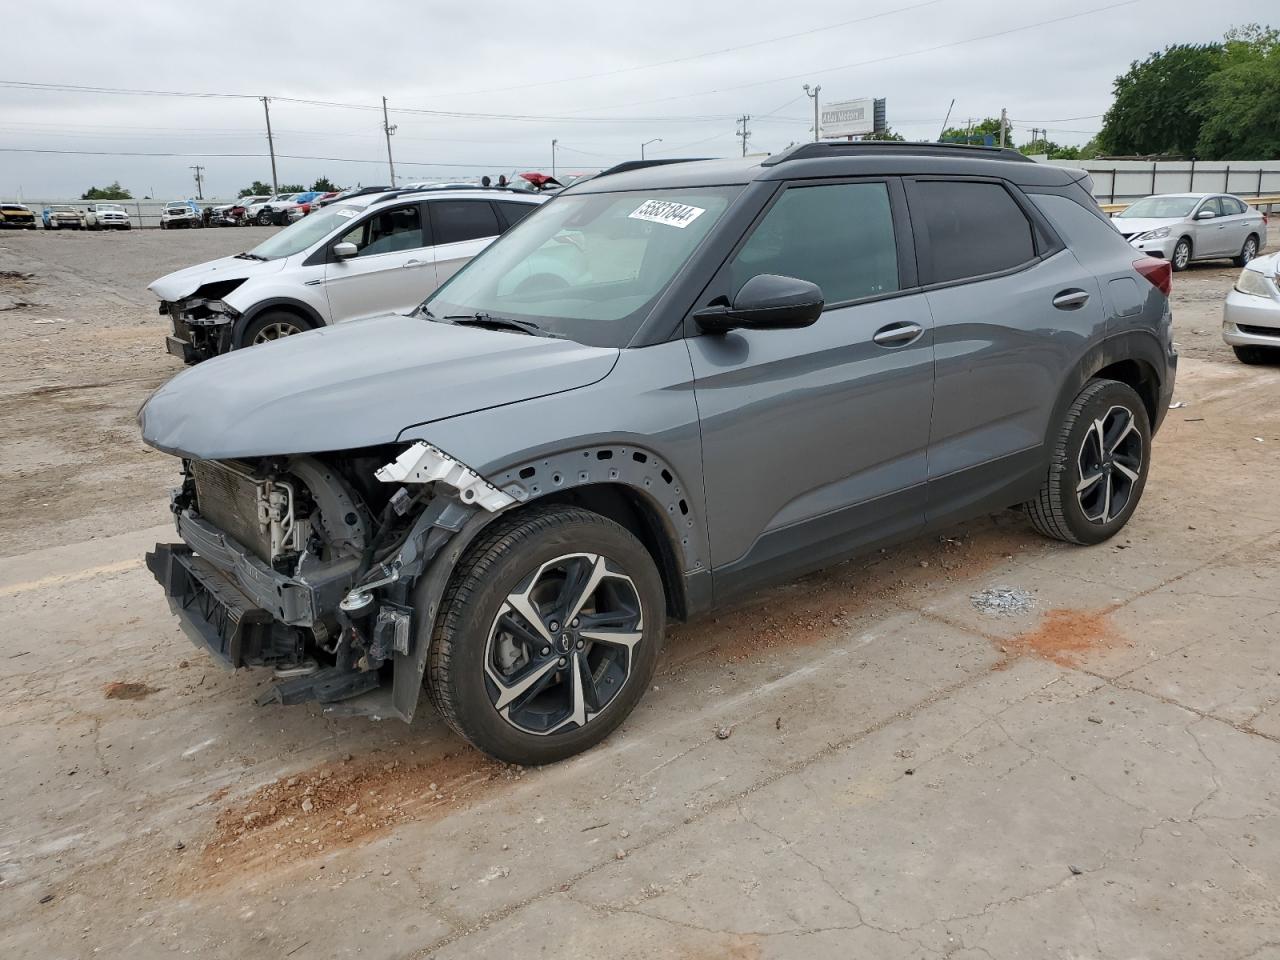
[{"x": 1159, "y": 272}]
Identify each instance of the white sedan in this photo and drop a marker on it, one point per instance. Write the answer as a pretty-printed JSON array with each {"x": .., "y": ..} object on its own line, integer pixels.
[{"x": 1251, "y": 316}]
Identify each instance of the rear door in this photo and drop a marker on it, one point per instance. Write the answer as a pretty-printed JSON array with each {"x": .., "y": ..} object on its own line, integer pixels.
[
  {"x": 814, "y": 439},
  {"x": 1012, "y": 310},
  {"x": 461, "y": 228},
  {"x": 392, "y": 270},
  {"x": 1238, "y": 223}
]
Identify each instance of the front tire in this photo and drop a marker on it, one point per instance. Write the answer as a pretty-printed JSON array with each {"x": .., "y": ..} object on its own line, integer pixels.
[
  {"x": 1248, "y": 251},
  {"x": 1181, "y": 258},
  {"x": 1099, "y": 466},
  {"x": 548, "y": 635},
  {"x": 1257, "y": 355},
  {"x": 272, "y": 325}
]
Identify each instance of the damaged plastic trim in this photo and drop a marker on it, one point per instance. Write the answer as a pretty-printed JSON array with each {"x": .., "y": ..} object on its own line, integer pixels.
[{"x": 423, "y": 463}]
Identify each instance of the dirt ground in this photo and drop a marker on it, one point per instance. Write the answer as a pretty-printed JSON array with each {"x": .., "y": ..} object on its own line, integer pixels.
[{"x": 862, "y": 763}]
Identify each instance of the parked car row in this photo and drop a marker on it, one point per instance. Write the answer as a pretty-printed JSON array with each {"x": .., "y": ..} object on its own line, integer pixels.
[
  {"x": 667, "y": 387},
  {"x": 62, "y": 216}
]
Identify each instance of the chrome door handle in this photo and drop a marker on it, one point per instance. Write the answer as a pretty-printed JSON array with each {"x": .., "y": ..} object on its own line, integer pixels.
[
  {"x": 412, "y": 263},
  {"x": 897, "y": 334},
  {"x": 1071, "y": 299}
]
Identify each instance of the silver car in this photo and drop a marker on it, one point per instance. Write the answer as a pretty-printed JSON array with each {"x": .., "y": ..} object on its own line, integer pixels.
[
  {"x": 1181, "y": 227},
  {"x": 1251, "y": 316}
]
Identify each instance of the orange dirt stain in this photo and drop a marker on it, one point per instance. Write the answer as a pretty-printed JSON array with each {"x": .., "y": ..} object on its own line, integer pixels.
[
  {"x": 1065, "y": 636},
  {"x": 127, "y": 690}
]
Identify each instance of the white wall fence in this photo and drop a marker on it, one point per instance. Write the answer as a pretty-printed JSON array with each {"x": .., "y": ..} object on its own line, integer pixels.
[
  {"x": 1122, "y": 181},
  {"x": 143, "y": 213}
]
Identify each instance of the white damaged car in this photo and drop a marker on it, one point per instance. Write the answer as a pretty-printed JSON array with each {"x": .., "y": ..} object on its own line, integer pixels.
[{"x": 370, "y": 255}]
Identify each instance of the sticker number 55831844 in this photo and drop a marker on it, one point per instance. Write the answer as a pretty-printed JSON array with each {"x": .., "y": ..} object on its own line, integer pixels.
[{"x": 668, "y": 212}]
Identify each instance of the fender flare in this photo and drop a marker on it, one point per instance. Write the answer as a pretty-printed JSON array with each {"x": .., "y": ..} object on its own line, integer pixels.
[
  {"x": 1140, "y": 346},
  {"x": 296, "y": 306},
  {"x": 650, "y": 477}
]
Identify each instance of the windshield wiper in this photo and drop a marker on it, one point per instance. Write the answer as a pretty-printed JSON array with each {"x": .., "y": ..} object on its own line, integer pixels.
[
  {"x": 249, "y": 256},
  {"x": 481, "y": 319}
]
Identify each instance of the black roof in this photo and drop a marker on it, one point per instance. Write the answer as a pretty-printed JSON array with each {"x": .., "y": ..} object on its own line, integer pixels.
[{"x": 834, "y": 159}]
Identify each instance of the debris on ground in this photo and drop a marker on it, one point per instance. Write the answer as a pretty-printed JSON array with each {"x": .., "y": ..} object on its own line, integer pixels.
[
  {"x": 723, "y": 733},
  {"x": 1003, "y": 601},
  {"x": 1074, "y": 869},
  {"x": 127, "y": 690}
]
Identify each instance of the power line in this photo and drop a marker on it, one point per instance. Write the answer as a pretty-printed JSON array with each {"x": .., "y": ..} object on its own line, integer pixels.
[
  {"x": 694, "y": 56},
  {"x": 875, "y": 60},
  {"x": 252, "y": 156}
]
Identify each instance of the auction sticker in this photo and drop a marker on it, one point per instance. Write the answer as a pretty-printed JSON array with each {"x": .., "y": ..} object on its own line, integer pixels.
[{"x": 668, "y": 212}]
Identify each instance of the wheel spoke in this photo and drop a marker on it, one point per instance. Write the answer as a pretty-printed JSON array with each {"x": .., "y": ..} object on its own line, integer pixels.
[
  {"x": 1087, "y": 482},
  {"x": 582, "y": 592},
  {"x": 1127, "y": 471},
  {"x": 521, "y": 604},
  {"x": 1106, "y": 501},
  {"x": 1128, "y": 429},
  {"x": 578, "y": 710},
  {"x": 508, "y": 693}
]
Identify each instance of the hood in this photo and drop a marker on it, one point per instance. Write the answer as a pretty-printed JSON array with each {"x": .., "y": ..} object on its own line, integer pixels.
[
  {"x": 1268, "y": 265},
  {"x": 185, "y": 282},
  {"x": 1136, "y": 225},
  {"x": 355, "y": 385}
]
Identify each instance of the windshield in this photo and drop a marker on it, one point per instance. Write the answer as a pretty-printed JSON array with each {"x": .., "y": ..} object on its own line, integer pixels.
[
  {"x": 176, "y": 206},
  {"x": 589, "y": 266},
  {"x": 109, "y": 206},
  {"x": 299, "y": 236},
  {"x": 62, "y": 208},
  {"x": 1161, "y": 208}
]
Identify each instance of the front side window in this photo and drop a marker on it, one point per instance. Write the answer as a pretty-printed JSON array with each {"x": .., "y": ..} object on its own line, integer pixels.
[
  {"x": 974, "y": 228},
  {"x": 304, "y": 233},
  {"x": 388, "y": 231},
  {"x": 839, "y": 236},
  {"x": 454, "y": 221},
  {"x": 589, "y": 266},
  {"x": 1159, "y": 208}
]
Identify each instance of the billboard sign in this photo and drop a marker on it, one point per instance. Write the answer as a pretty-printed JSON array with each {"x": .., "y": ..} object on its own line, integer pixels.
[{"x": 849, "y": 118}]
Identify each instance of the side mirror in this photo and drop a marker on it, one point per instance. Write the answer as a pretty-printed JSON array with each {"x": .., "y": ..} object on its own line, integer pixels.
[
  {"x": 1205, "y": 215},
  {"x": 345, "y": 250},
  {"x": 766, "y": 302}
]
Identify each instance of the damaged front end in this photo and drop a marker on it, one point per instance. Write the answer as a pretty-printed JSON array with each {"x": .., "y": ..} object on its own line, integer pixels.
[
  {"x": 308, "y": 565},
  {"x": 202, "y": 322}
]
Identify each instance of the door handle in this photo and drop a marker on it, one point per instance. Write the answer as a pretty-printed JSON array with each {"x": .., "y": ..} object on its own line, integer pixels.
[
  {"x": 1071, "y": 299},
  {"x": 412, "y": 263},
  {"x": 897, "y": 334}
]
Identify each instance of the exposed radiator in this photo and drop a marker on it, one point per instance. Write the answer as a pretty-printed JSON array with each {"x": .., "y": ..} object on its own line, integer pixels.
[{"x": 229, "y": 501}]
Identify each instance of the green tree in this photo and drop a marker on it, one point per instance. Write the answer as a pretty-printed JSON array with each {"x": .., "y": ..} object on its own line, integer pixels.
[
  {"x": 988, "y": 125},
  {"x": 888, "y": 134},
  {"x": 256, "y": 189},
  {"x": 292, "y": 188},
  {"x": 1239, "y": 116},
  {"x": 325, "y": 185},
  {"x": 1054, "y": 151},
  {"x": 1157, "y": 102},
  {"x": 113, "y": 192}
]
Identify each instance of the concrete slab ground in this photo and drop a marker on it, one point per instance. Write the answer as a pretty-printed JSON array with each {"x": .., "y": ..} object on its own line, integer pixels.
[{"x": 903, "y": 776}]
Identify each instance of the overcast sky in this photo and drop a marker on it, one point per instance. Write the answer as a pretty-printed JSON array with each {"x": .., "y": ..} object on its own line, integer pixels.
[{"x": 599, "y": 77}]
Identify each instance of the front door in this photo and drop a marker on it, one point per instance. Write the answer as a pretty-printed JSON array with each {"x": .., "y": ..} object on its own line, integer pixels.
[
  {"x": 392, "y": 270},
  {"x": 814, "y": 439}
]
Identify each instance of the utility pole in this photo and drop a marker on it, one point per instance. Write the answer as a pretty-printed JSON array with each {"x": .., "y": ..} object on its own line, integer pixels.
[
  {"x": 199, "y": 181},
  {"x": 946, "y": 119},
  {"x": 553, "y": 158},
  {"x": 388, "y": 128},
  {"x": 744, "y": 132},
  {"x": 1004, "y": 120},
  {"x": 816, "y": 90},
  {"x": 275, "y": 187},
  {"x": 646, "y": 143}
]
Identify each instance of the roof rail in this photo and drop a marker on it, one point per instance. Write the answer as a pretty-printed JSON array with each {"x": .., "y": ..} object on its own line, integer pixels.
[
  {"x": 398, "y": 192},
  {"x": 865, "y": 148},
  {"x": 627, "y": 165}
]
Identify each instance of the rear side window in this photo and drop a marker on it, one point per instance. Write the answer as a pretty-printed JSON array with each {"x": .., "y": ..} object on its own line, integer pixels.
[
  {"x": 974, "y": 228},
  {"x": 513, "y": 212},
  {"x": 453, "y": 221},
  {"x": 839, "y": 236}
]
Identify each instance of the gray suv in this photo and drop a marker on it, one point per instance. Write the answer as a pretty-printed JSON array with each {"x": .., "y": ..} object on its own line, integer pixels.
[{"x": 666, "y": 388}]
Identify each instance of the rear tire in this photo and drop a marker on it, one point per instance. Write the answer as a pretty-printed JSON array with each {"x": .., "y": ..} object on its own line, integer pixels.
[
  {"x": 1257, "y": 355},
  {"x": 1098, "y": 466},
  {"x": 1181, "y": 257},
  {"x": 1248, "y": 251},
  {"x": 506, "y": 674}
]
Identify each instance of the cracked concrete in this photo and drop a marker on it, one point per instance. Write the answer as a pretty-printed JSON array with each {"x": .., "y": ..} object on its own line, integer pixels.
[{"x": 903, "y": 779}]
